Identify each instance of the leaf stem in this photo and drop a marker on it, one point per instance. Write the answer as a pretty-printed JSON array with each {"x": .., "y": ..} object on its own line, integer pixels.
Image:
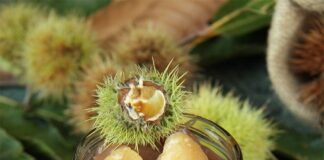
[{"x": 210, "y": 31}]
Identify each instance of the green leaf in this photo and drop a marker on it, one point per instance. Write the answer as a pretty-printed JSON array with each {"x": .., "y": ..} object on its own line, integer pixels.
[
  {"x": 229, "y": 7},
  {"x": 50, "y": 110},
  {"x": 235, "y": 19},
  {"x": 244, "y": 16},
  {"x": 224, "y": 48},
  {"x": 37, "y": 133},
  {"x": 10, "y": 148},
  {"x": 301, "y": 145},
  {"x": 236, "y": 26}
]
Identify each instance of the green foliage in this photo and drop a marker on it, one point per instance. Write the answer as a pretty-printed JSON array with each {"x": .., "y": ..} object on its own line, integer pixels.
[
  {"x": 10, "y": 148},
  {"x": 237, "y": 27},
  {"x": 225, "y": 48},
  {"x": 302, "y": 146},
  {"x": 37, "y": 135},
  {"x": 16, "y": 20},
  {"x": 247, "y": 125},
  {"x": 55, "y": 51},
  {"x": 116, "y": 127},
  {"x": 239, "y": 17}
]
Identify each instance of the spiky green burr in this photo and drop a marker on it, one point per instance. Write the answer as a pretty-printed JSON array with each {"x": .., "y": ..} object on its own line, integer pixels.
[
  {"x": 247, "y": 125},
  {"x": 55, "y": 53},
  {"x": 114, "y": 122},
  {"x": 15, "y": 21}
]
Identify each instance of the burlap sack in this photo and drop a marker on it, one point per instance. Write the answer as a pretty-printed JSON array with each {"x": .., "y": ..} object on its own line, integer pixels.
[{"x": 288, "y": 18}]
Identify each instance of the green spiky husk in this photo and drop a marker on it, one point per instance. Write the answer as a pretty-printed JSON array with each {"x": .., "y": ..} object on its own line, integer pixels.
[
  {"x": 55, "y": 52},
  {"x": 117, "y": 128},
  {"x": 247, "y": 125},
  {"x": 16, "y": 20}
]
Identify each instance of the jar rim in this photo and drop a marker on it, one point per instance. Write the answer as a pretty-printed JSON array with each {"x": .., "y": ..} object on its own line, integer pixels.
[{"x": 232, "y": 147}]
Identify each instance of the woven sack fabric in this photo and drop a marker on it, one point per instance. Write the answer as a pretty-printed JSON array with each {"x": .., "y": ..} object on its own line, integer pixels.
[{"x": 287, "y": 21}]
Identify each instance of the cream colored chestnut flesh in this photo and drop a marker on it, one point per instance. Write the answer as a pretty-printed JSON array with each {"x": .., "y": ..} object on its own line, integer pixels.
[
  {"x": 123, "y": 153},
  {"x": 181, "y": 146},
  {"x": 143, "y": 99}
]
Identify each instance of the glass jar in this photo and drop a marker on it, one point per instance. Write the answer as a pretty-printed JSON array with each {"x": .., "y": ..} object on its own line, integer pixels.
[{"x": 217, "y": 143}]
